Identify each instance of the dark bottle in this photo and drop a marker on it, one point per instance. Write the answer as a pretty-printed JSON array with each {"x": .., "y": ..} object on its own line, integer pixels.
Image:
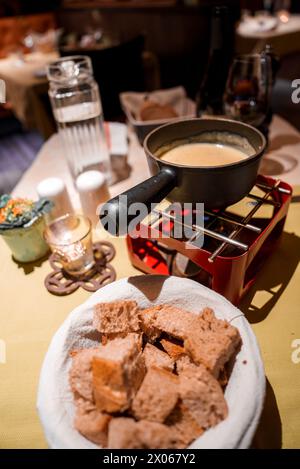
[
  {"x": 274, "y": 60},
  {"x": 209, "y": 99},
  {"x": 274, "y": 67}
]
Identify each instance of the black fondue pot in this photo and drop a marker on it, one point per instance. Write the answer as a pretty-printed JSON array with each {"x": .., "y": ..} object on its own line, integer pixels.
[{"x": 215, "y": 186}]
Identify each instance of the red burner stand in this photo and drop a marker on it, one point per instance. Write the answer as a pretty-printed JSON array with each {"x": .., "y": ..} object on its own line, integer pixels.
[{"x": 223, "y": 267}]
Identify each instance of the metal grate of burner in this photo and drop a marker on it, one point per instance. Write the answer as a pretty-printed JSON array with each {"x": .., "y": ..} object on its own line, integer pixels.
[{"x": 237, "y": 225}]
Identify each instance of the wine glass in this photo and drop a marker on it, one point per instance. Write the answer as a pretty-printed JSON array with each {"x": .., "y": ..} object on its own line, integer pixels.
[{"x": 248, "y": 88}]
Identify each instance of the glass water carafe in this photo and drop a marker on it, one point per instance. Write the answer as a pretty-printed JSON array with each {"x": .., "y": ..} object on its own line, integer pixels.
[{"x": 77, "y": 109}]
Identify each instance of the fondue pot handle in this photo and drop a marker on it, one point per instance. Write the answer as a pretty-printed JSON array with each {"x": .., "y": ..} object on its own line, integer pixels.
[{"x": 116, "y": 215}]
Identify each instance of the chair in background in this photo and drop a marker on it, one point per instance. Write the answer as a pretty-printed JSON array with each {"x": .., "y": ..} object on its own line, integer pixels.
[{"x": 125, "y": 67}]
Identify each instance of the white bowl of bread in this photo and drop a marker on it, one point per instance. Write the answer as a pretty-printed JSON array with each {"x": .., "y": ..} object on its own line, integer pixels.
[{"x": 152, "y": 362}]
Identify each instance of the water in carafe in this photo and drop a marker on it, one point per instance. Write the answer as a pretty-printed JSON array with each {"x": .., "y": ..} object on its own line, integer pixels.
[{"x": 77, "y": 110}]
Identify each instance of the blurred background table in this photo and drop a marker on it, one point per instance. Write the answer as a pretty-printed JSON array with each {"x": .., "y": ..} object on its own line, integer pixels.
[
  {"x": 27, "y": 89},
  {"x": 285, "y": 38}
]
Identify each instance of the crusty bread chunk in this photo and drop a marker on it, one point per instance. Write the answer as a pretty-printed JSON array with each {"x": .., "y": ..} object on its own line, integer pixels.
[
  {"x": 183, "y": 425},
  {"x": 117, "y": 373},
  {"x": 202, "y": 395},
  {"x": 166, "y": 318},
  {"x": 132, "y": 392},
  {"x": 80, "y": 375},
  {"x": 126, "y": 433},
  {"x": 157, "y": 358},
  {"x": 117, "y": 318},
  {"x": 147, "y": 324},
  {"x": 175, "y": 351},
  {"x": 212, "y": 342},
  {"x": 184, "y": 363},
  {"x": 91, "y": 423},
  {"x": 151, "y": 110},
  {"x": 157, "y": 396}
]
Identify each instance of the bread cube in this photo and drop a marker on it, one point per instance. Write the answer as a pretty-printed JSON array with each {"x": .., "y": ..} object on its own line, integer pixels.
[
  {"x": 174, "y": 350},
  {"x": 91, "y": 423},
  {"x": 80, "y": 376},
  {"x": 183, "y": 425},
  {"x": 117, "y": 318},
  {"x": 117, "y": 373},
  {"x": 126, "y": 433},
  {"x": 157, "y": 396},
  {"x": 166, "y": 318},
  {"x": 212, "y": 342},
  {"x": 202, "y": 395},
  {"x": 157, "y": 358}
]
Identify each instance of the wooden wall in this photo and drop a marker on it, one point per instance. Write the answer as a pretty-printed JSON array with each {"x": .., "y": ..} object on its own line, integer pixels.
[{"x": 178, "y": 35}]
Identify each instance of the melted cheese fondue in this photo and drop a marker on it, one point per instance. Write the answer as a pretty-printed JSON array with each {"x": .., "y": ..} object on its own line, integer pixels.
[{"x": 203, "y": 154}]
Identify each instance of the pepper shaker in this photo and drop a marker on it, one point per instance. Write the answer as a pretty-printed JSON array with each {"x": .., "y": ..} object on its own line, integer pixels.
[{"x": 93, "y": 191}]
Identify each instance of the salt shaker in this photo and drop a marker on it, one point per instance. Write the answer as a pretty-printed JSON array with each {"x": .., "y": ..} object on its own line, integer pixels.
[
  {"x": 55, "y": 190},
  {"x": 93, "y": 191}
]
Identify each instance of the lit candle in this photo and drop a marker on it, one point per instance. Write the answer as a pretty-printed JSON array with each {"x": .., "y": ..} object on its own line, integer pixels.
[{"x": 69, "y": 237}]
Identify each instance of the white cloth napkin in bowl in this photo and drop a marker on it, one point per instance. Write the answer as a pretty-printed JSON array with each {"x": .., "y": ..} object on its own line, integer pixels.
[
  {"x": 175, "y": 97},
  {"x": 244, "y": 393}
]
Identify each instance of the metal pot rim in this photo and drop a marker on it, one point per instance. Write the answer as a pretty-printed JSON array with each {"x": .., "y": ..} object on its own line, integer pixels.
[{"x": 235, "y": 123}]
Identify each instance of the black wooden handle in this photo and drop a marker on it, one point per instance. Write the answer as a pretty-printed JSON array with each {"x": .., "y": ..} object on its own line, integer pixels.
[{"x": 116, "y": 214}]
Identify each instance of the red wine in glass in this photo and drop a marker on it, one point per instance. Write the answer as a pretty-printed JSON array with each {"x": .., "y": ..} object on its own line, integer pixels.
[{"x": 247, "y": 93}]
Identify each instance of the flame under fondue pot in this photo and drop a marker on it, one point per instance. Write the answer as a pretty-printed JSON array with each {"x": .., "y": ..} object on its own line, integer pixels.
[{"x": 216, "y": 186}]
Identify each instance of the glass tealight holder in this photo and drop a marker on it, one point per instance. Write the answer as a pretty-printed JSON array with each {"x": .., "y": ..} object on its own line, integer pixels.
[{"x": 70, "y": 238}]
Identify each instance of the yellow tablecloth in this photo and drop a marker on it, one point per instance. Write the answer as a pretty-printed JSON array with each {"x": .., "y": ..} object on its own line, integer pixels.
[
  {"x": 30, "y": 316},
  {"x": 273, "y": 308}
]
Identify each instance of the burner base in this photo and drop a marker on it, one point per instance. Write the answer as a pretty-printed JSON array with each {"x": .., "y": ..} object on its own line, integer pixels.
[{"x": 230, "y": 273}]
